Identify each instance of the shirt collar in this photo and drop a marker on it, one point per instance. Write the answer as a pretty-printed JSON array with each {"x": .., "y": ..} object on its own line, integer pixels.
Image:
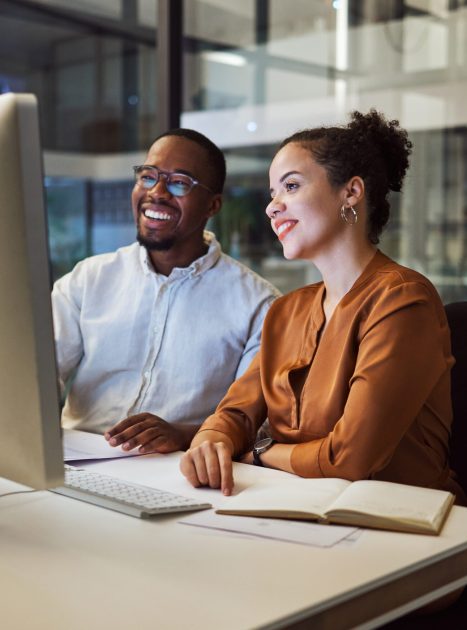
[{"x": 198, "y": 266}]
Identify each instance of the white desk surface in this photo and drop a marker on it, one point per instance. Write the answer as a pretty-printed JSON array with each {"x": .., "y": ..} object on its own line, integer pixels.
[{"x": 68, "y": 564}]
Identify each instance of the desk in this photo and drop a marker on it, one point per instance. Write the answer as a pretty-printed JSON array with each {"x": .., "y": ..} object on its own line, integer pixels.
[{"x": 68, "y": 564}]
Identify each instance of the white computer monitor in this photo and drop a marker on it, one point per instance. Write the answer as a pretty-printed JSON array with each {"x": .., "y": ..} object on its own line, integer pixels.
[{"x": 31, "y": 449}]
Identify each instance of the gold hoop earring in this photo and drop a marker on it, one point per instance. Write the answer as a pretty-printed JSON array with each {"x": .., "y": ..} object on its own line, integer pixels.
[{"x": 349, "y": 215}]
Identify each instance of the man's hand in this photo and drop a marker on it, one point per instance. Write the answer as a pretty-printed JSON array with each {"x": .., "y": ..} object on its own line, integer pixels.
[
  {"x": 151, "y": 434},
  {"x": 209, "y": 464}
]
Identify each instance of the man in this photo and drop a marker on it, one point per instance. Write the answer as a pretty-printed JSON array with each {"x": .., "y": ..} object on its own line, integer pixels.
[{"x": 154, "y": 333}]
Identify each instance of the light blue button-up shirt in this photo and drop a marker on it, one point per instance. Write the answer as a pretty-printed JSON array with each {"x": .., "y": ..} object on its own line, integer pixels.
[{"x": 139, "y": 341}]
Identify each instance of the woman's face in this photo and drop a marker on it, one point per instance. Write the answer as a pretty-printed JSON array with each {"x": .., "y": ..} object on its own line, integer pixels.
[{"x": 305, "y": 208}]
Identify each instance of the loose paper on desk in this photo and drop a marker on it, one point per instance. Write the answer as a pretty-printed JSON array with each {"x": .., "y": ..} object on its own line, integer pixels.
[
  {"x": 79, "y": 446},
  {"x": 303, "y": 533}
]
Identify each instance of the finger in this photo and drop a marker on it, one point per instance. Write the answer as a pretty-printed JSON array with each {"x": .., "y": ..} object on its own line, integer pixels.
[
  {"x": 127, "y": 438},
  {"x": 188, "y": 469},
  {"x": 132, "y": 436},
  {"x": 213, "y": 470},
  {"x": 141, "y": 438},
  {"x": 226, "y": 470},
  {"x": 124, "y": 424},
  {"x": 163, "y": 443},
  {"x": 199, "y": 462},
  {"x": 153, "y": 441}
]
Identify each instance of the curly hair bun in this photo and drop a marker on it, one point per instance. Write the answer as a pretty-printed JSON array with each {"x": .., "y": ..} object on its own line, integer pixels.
[{"x": 388, "y": 139}]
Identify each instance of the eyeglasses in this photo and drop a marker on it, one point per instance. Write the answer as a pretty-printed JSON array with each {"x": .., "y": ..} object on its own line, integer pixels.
[{"x": 178, "y": 184}]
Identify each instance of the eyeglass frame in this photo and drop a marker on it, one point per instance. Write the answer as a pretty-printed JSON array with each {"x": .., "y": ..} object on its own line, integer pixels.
[{"x": 167, "y": 174}]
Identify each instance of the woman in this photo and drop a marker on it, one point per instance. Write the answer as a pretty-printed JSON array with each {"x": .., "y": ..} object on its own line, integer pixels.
[{"x": 353, "y": 372}]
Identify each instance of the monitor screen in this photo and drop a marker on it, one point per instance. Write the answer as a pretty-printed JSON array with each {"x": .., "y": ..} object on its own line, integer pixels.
[{"x": 29, "y": 396}]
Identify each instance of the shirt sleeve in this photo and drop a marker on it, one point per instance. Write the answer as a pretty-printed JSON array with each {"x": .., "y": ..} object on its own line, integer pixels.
[
  {"x": 254, "y": 339},
  {"x": 66, "y": 308},
  {"x": 242, "y": 411},
  {"x": 402, "y": 355}
]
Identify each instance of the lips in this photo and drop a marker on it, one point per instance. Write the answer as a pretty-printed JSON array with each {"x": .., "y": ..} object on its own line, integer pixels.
[
  {"x": 282, "y": 228},
  {"x": 157, "y": 217},
  {"x": 154, "y": 214}
]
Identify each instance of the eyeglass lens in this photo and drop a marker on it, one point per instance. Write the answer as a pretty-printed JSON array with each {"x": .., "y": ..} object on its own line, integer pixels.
[{"x": 177, "y": 184}]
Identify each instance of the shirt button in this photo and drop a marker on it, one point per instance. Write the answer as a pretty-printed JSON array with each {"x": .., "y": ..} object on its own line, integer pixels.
[{"x": 147, "y": 374}]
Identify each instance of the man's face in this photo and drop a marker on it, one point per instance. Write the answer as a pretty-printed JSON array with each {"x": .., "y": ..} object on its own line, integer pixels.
[{"x": 164, "y": 221}]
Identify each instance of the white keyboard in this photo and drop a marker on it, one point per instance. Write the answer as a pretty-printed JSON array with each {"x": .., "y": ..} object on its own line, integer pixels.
[{"x": 123, "y": 496}]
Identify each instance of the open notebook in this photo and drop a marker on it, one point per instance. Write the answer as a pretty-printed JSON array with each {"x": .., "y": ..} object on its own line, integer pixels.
[{"x": 376, "y": 504}]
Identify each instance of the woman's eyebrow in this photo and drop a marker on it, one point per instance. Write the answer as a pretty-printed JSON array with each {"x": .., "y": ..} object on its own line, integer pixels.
[{"x": 285, "y": 175}]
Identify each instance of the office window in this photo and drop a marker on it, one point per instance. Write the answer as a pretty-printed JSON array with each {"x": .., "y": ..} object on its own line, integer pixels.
[
  {"x": 253, "y": 72},
  {"x": 260, "y": 70},
  {"x": 92, "y": 65}
]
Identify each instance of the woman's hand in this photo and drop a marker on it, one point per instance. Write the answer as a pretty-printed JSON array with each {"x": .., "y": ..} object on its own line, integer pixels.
[
  {"x": 247, "y": 458},
  {"x": 209, "y": 463}
]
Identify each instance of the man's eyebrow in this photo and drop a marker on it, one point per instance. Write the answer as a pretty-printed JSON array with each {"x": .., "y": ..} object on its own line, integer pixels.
[{"x": 182, "y": 171}]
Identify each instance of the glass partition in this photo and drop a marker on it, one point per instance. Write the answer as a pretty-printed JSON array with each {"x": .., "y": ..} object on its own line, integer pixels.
[
  {"x": 92, "y": 65},
  {"x": 268, "y": 68},
  {"x": 253, "y": 72}
]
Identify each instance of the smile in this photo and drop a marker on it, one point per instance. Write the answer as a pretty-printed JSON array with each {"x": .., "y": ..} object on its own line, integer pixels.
[
  {"x": 160, "y": 216},
  {"x": 284, "y": 228}
]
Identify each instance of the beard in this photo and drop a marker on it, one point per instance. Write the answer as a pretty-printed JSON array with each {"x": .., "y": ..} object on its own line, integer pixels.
[{"x": 152, "y": 245}]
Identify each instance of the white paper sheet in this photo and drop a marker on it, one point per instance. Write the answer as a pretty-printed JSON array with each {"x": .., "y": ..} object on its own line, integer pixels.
[
  {"x": 301, "y": 532},
  {"x": 82, "y": 446}
]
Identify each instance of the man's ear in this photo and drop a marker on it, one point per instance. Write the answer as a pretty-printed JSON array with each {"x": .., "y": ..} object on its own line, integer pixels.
[
  {"x": 215, "y": 205},
  {"x": 355, "y": 191}
]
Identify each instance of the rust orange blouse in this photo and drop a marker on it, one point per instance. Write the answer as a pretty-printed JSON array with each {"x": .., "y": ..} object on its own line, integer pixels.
[{"x": 367, "y": 398}]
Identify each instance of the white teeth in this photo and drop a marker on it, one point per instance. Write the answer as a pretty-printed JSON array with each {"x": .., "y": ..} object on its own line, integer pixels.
[
  {"x": 284, "y": 226},
  {"x": 152, "y": 214}
]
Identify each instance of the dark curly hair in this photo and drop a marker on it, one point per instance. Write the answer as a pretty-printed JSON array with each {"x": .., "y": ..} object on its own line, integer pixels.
[{"x": 370, "y": 146}]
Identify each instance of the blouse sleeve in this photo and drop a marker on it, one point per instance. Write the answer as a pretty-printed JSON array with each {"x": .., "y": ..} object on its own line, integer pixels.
[
  {"x": 242, "y": 410},
  {"x": 403, "y": 351}
]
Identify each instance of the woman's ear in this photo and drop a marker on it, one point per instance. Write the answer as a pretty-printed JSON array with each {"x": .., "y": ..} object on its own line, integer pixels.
[{"x": 354, "y": 191}]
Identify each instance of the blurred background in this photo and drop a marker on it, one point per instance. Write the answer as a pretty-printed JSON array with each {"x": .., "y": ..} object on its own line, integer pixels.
[{"x": 110, "y": 75}]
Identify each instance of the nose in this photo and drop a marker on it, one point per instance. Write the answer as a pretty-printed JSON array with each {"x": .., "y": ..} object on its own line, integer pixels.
[
  {"x": 274, "y": 208},
  {"x": 160, "y": 187}
]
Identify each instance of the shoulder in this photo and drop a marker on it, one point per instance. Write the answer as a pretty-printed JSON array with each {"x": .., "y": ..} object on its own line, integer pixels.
[
  {"x": 391, "y": 287},
  {"x": 122, "y": 256},
  {"x": 297, "y": 306},
  {"x": 245, "y": 279},
  {"x": 392, "y": 278},
  {"x": 394, "y": 273},
  {"x": 93, "y": 268}
]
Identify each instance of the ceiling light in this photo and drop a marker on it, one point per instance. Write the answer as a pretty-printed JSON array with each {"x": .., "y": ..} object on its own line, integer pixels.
[{"x": 231, "y": 59}]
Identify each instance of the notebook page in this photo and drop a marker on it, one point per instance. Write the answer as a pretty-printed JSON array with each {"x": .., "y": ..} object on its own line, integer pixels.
[
  {"x": 401, "y": 502},
  {"x": 311, "y": 496}
]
